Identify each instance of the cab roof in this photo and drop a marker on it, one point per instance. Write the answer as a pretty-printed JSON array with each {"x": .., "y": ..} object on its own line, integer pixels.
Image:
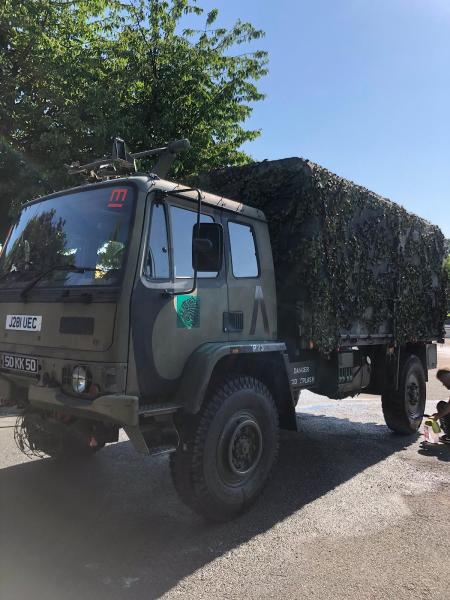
[
  {"x": 211, "y": 199},
  {"x": 170, "y": 187}
]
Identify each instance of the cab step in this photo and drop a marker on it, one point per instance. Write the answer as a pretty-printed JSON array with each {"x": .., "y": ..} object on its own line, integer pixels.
[{"x": 154, "y": 435}]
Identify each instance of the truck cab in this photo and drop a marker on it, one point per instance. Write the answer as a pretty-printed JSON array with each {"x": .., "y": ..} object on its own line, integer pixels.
[{"x": 112, "y": 318}]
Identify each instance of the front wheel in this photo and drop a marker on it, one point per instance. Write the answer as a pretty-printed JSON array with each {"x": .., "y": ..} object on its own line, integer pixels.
[
  {"x": 403, "y": 409},
  {"x": 228, "y": 450}
]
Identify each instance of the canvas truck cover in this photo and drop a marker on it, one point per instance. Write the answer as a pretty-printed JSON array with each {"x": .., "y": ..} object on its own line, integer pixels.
[{"x": 349, "y": 264}]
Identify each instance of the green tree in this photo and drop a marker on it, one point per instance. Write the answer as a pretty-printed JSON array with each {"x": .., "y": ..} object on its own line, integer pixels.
[
  {"x": 447, "y": 265},
  {"x": 76, "y": 73},
  {"x": 447, "y": 272},
  {"x": 41, "y": 241}
]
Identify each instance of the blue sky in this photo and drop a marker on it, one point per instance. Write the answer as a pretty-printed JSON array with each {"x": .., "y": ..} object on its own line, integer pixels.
[{"x": 361, "y": 87}]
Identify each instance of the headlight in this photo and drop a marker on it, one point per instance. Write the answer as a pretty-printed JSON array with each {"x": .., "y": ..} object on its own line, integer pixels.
[{"x": 79, "y": 380}]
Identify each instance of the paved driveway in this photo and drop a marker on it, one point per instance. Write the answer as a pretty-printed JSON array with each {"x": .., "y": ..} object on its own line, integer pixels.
[{"x": 352, "y": 511}]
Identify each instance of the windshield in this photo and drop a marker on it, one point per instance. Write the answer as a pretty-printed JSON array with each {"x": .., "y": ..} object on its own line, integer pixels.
[{"x": 88, "y": 229}]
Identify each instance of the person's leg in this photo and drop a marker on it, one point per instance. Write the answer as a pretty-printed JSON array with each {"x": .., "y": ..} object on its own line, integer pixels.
[{"x": 445, "y": 421}]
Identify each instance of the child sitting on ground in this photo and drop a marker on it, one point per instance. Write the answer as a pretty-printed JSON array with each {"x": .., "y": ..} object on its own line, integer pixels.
[{"x": 443, "y": 408}]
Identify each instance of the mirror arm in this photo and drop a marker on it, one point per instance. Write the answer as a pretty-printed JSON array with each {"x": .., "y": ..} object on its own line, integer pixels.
[{"x": 172, "y": 293}]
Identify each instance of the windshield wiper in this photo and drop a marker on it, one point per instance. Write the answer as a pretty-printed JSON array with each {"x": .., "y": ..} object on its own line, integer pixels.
[{"x": 74, "y": 268}]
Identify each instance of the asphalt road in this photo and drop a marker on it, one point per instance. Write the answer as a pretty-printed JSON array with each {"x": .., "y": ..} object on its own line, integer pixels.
[{"x": 353, "y": 511}]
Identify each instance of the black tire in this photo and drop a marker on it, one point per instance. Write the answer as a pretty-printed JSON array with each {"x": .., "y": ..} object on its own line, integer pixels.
[
  {"x": 403, "y": 410},
  {"x": 228, "y": 450}
]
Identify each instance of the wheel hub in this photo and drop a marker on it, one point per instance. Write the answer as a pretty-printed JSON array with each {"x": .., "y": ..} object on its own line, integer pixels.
[
  {"x": 413, "y": 397},
  {"x": 245, "y": 446},
  {"x": 240, "y": 448},
  {"x": 413, "y": 393}
]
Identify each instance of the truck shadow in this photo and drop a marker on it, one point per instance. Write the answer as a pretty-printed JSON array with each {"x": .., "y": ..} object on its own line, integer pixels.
[{"x": 114, "y": 528}]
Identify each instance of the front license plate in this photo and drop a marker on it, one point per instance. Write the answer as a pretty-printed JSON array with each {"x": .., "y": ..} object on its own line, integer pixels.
[
  {"x": 24, "y": 322},
  {"x": 27, "y": 364}
]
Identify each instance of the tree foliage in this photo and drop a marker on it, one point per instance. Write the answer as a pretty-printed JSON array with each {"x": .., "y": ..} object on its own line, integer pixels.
[
  {"x": 76, "y": 73},
  {"x": 447, "y": 273},
  {"x": 44, "y": 237},
  {"x": 447, "y": 265}
]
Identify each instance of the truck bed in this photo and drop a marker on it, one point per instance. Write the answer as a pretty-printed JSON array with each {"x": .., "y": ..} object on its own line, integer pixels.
[{"x": 351, "y": 267}]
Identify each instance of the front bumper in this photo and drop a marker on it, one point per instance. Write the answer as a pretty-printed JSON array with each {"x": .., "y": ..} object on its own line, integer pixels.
[{"x": 114, "y": 408}]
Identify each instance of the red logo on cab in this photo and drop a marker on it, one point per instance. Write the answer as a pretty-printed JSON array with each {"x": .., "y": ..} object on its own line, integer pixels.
[{"x": 117, "y": 197}]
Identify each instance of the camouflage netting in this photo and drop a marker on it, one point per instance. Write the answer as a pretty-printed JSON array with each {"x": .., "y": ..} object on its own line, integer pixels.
[{"x": 347, "y": 262}]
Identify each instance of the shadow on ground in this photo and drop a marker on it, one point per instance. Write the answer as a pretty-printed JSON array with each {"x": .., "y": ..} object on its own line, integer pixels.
[
  {"x": 440, "y": 451},
  {"x": 114, "y": 528}
]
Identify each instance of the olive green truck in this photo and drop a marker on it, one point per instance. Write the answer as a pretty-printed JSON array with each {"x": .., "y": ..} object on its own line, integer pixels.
[{"x": 192, "y": 321}]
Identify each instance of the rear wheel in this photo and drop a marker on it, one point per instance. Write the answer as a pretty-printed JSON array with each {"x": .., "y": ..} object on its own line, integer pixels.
[
  {"x": 403, "y": 409},
  {"x": 227, "y": 451}
]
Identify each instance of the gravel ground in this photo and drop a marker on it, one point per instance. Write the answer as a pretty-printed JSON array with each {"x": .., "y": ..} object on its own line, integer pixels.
[{"x": 353, "y": 511}]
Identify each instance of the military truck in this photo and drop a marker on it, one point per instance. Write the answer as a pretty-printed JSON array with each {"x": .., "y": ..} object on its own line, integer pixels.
[{"x": 136, "y": 303}]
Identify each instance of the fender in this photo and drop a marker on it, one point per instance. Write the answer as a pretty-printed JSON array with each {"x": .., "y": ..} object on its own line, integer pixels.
[{"x": 200, "y": 366}]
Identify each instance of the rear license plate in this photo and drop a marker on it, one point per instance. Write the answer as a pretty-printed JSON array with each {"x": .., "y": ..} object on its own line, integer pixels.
[{"x": 27, "y": 364}]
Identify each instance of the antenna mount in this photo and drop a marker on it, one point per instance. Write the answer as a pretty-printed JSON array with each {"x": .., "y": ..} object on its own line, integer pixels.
[{"x": 122, "y": 162}]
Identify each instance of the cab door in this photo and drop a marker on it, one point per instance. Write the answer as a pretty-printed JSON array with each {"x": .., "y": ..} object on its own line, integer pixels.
[
  {"x": 168, "y": 320},
  {"x": 251, "y": 285}
]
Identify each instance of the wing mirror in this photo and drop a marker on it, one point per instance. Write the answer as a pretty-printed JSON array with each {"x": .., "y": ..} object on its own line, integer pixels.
[{"x": 207, "y": 247}]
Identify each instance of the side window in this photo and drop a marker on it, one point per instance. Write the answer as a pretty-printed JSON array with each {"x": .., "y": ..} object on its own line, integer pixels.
[
  {"x": 183, "y": 222},
  {"x": 243, "y": 250},
  {"x": 156, "y": 264}
]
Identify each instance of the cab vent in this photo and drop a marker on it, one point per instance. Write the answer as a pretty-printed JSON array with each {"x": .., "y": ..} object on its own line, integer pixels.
[{"x": 233, "y": 321}]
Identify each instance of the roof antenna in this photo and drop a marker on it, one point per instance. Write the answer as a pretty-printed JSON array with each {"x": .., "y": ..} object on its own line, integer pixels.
[{"x": 122, "y": 162}]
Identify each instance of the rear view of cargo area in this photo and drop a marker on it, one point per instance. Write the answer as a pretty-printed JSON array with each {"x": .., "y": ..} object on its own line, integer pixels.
[{"x": 351, "y": 267}]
